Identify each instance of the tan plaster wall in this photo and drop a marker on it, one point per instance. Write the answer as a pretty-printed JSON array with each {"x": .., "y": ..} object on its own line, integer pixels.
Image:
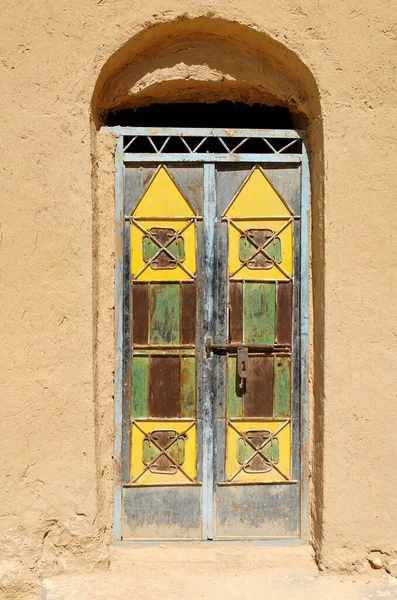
[{"x": 56, "y": 245}]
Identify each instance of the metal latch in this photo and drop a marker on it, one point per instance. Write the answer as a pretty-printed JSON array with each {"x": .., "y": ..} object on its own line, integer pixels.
[
  {"x": 238, "y": 347},
  {"x": 242, "y": 362}
]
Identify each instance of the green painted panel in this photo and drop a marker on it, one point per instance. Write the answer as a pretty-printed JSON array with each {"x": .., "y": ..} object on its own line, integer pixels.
[
  {"x": 139, "y": 386},
  {"x": 259, "y": 312},
  {"x": 176, "y": 248},
  {"x": 176, "y": 451},
  {"x": 272, "y": 450},
  {"x": 188, "y": 387},
  {"x": 282, "y": 387},
  {"x": 164, "y": 313},
  {"x": 149, "y": 451},
  {"x": 274, "y": 250},
  {"x": 247, "y": 249},
  {"x": 245, "y": 451},
  {"x": 235, "y": 390}
]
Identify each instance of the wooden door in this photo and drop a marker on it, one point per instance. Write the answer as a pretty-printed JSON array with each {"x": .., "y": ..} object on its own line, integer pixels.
[
  {"x": 211, "y": 358},
  {"x": 162, "y": 492},
  {"x": 257, "y": 471}
]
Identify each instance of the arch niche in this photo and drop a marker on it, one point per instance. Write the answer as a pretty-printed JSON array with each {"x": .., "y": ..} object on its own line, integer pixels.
[{"x": 203, "y": 60}]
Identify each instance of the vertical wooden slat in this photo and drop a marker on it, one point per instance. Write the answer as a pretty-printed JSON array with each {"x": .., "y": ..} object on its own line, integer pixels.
[
  {"x": 236, "y": 311},
  {"x": 122, "y": 428},
  {"x": 284, "y": 312},
  {"x": 164, "y": 313},
  {"x": 259, "y": 312},
  {"x": 164, "y": 386},
  {"x": 139, "y": 386},
  {"x": 208, "y": 380},
  {"x": 235, "y": 390},
  {"x": 188, "y": 387},
  {"x": 140, "y": 313},
  {"x": 188, "y": 313},
  {"x": 258, "y": 399},
  {"x": 304, "y": 338},
  {"x": 282, "y": 386}
]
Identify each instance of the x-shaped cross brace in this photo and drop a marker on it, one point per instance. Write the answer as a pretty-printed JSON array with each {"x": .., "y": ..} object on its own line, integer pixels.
[
  {"x": 261, "y": 249},
  {"x": 258, "y": 451},
  {"x": 163, "y": 451},
  {"x": 163, "y": 248}
]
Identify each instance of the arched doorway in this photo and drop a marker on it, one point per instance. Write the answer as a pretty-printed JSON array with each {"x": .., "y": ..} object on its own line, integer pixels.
[{"x": 212, "y": 306}]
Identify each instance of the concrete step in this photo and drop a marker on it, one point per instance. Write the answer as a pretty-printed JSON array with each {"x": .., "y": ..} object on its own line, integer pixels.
[
  {"x": 224, "y": 572},
  {"x": 238, "y": 556}
]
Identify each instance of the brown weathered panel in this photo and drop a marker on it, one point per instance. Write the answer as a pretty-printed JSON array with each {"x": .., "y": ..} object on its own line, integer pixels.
[
  {"x": 236, "y": 311},
  {"x": 188, "y": 316},
  {"x": 140, "y": 313},
  {"x": 258, "y": 398},
  {"x": 284, "y": 313},
  {"x": 236, "y": 387},
  {"x": 164, "y": 387}
]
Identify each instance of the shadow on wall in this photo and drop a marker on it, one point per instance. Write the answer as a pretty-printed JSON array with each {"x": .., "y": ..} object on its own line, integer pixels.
[
  {"x": 225, "y": 114},
  {"x": 208, "y": 61}
]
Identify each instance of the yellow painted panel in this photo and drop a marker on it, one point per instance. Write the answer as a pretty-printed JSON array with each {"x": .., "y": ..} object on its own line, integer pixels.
[
  {"x": 257, "y": 197},
  {"x": 286, "y": 238},
  {"x": 284, "y": 464},
  {"x": 137, "y": 465},
  {"x": 163, "y": 198},
  {"x": 176, "y": 274}
]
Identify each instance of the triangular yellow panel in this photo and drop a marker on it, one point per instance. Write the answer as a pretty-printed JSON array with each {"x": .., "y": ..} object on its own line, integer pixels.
[
  {"x": 163, "y": 199},
  {"x": 256, "y": 198}
]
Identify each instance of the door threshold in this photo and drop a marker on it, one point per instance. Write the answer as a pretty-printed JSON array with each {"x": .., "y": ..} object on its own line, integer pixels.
[
  {"x": 225, "y": 556},
  {"x": 290, "y": 541}
]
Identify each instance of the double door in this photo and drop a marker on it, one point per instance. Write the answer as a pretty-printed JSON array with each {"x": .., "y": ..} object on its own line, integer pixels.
[{"x": 211, "y": 443}]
